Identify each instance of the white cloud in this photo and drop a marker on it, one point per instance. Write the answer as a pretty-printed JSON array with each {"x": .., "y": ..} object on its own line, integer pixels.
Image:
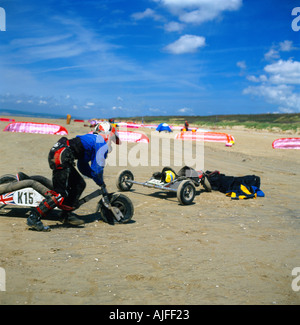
[
  {"x": 242, "y": 65},
  {"x": 157, "y": 111},
  {"x": 261, "y": 78},
  {"x": 198, "y": 16},
  {"x": 185, "y": 110},
  {"x": 286, "y": 46},
  {"x": 114, "y": 108},
  {"x": 213, "y": 4},
  {"x": 174, "y": 26},
  {"x": 148, "y": 13},
  {"x": 272, "y": 54},
  {"x": 279, "y": 86},
  {"x": 281, "y": 95},
  {"x": 75, "y": 40},
  {"x": 186, "y": 44},
  {"x": 280, "y": 82},
  {"x": 38, "y": 41},
  {"x": 199, "y": 11},
  {"x": 284, "y": 72}
]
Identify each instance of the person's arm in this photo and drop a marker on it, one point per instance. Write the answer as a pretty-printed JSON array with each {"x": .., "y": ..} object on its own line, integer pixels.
[
  {"x": 98, "y": 161},
  {"x": 84, "y": 168},
  {"x": 95, "y": 173},
  {"x": 97, "y": 168}
]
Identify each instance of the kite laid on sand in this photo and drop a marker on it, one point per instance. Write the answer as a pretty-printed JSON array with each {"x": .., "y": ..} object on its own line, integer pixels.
[
  {"x": 32, "y": 127},
  {"x": 3, "y": 119},
  {"x": 130, "y": 136},
  {"x": 286, "y": 143},
  {"x": 206, "y": 136}
]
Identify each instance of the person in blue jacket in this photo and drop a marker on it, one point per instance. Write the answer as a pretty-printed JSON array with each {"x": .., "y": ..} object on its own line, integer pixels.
[{"x": 90, "y": 151}]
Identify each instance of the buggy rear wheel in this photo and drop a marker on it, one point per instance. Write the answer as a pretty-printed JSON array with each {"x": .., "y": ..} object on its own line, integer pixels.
[
  {"x": 186, "y": 192},
  {"x": 122, "y": 180},
  {"x": 7, "y": 178}
]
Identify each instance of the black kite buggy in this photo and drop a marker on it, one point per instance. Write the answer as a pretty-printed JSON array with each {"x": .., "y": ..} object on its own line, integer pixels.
[{"x": 183, "y": 183}]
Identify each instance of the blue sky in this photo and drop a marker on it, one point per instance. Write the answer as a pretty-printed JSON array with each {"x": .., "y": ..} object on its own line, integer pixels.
[{"x": 117, "y": 58}]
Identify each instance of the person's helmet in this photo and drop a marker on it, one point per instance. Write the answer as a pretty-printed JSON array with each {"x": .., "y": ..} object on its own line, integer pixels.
[
  {"x": 108, "y": 132},
  {"x": 170, "y": 176},
  {"x": 103, "y": 128}
]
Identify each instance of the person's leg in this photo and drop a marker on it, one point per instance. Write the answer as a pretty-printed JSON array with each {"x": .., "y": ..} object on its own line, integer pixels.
[
  {"x": 75, "y": 187},
  {"x": 68, "y": 186},
  {"x": 49, "y": 203}
]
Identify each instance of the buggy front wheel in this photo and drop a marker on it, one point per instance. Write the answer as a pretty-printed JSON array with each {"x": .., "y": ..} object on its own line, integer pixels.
[
  {"x": 120, "y": 201},
  {"x": 122, "y": 180},
  {"x": 186, "y": 192}
]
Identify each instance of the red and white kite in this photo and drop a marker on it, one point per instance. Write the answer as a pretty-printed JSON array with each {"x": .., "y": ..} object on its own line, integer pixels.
[
  {"x": 32, "y": 127},
  {"x": 130, "y": 136},
  {"x": 206, "y": 136},
  {"x": 286, "y": 143}
]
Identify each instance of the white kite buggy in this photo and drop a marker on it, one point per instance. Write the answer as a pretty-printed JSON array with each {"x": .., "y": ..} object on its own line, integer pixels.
[
  {"x": 29, "y": 191},
  {"x": 183, "y": 183}
]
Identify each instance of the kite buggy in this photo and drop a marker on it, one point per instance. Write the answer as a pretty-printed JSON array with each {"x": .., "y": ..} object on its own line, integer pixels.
[
  {"x": 183, "y": 183},
  {"x": 24, "y": 190}
]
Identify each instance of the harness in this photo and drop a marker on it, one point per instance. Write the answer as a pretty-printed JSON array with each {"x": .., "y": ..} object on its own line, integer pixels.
[{"x": 64, "y": 152}]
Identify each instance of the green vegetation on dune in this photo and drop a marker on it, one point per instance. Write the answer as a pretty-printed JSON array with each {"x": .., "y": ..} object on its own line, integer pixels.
[{"x": 255, "y": 121}]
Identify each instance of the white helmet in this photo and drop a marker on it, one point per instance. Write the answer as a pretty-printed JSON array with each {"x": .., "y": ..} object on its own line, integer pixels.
[
  {"x": 103, "y": 128},
  {"x": 108, "y": 132}
]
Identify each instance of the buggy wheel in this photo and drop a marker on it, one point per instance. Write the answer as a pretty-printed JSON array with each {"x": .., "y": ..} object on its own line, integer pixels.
[
  {"x": 186, "y": 192},
  {"x": 120, "y": 201},
  {"x": 7, "y": 178},
  {"x": 122, "y": 179}
]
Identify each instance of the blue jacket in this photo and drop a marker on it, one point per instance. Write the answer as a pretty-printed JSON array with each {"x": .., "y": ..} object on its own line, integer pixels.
[{"x": 95, "y": 152}]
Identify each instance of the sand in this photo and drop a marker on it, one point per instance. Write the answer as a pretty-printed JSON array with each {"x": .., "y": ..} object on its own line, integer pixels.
[{"x": 215, "y": 251}]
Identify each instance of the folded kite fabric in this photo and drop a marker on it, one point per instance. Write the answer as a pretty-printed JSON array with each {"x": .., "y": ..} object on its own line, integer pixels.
[{"x": 245, "y": 187}]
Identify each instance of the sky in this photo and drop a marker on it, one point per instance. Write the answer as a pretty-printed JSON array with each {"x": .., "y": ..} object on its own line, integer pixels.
[{"x": 117, "y": 58}]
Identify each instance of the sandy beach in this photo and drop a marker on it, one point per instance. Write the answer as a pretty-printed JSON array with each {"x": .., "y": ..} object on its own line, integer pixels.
[{"x": 215, "y": 251}]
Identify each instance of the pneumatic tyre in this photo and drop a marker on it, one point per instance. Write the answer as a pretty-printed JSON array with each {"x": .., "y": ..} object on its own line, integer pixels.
[
  {"x": 186, "y": 192},
  {"x": 120, "y": 201},
  {"x": 122, "y": 180}
]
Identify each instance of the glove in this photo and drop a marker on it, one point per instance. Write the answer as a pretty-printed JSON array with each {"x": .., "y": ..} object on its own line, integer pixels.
[{"x": 105, "y": 198}]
